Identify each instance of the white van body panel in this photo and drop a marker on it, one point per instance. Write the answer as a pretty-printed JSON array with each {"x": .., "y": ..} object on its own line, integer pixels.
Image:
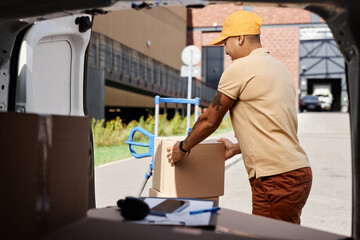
[{"x": 51, "y": 68}]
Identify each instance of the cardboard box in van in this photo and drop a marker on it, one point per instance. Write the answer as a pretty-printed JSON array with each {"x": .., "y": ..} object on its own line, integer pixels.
[{"x": 44, "y": 173}]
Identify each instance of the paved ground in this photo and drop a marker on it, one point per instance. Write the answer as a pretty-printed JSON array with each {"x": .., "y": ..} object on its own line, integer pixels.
[
  {"x": 327, "y": 143},
  {"x": 325, "y": 138}
]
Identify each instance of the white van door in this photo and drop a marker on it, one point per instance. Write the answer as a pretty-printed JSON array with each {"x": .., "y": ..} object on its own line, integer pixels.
[{"x": 51, "y": 68}]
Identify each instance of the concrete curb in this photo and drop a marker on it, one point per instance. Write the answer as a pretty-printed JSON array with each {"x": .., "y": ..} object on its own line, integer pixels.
[{"x": 116, "y": 162}]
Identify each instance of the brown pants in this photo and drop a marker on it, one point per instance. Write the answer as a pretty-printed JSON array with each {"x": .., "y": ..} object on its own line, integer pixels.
[{"x": 281, "y": 196}]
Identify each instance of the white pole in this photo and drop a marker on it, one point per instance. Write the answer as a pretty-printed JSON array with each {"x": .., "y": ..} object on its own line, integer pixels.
[
  {"x": 156, "y": 127},
  {"x": 189, "y": 92},
  {"x": 196, "y": 113}
]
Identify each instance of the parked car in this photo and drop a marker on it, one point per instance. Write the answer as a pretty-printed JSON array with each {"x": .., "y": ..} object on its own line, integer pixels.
[{"x": 310, "y": 103}]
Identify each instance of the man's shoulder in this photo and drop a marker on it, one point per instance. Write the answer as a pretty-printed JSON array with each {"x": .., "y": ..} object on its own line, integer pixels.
[
  {"x": 236, "y": 65},
  {"x": 234, "y": 70}
]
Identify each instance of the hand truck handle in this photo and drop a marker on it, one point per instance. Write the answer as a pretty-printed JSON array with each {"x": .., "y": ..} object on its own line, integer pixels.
[
  {"x": 158, "y": 100},
  {"x": 150, "y": 145}
]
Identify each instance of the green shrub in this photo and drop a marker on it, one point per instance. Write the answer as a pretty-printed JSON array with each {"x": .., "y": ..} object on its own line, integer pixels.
[{"x": 115, "y": 132}]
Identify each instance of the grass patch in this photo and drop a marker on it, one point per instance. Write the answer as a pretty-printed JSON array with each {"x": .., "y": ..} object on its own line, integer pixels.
[{"x": 107, "y": 154}]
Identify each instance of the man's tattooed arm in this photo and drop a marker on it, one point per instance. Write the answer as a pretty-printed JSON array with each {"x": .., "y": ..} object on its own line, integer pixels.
[
  {"x": 200, "y": 119},
  {"x": 209, "y": 120},
  {"x": 216, "y": 101}
]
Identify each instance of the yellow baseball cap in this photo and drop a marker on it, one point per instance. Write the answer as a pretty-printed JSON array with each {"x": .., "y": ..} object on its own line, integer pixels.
[{"x": 237, "y": 24}]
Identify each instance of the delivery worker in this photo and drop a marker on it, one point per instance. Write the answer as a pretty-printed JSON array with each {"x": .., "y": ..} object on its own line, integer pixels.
[{"x": 260, "y": 93}]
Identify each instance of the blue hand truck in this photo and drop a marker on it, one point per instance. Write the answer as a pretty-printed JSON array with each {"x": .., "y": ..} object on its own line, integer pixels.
[{"x": 150, "y": 144}]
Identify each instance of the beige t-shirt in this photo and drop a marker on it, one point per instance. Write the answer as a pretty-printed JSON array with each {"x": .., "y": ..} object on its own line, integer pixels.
[{"x": 264, "y": 115}]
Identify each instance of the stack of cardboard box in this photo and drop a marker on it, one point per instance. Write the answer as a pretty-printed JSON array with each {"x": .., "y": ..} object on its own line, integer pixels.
[
  {"x": 44, "y": 173},
  {"x": 199, "y": 175}
]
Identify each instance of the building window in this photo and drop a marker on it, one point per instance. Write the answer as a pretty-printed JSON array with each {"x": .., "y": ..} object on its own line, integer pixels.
[
  {"x": 118, "y": 57},
  {"x": 212, "y": 64},
  {"x": 109, "y": 54},
  {"x": 126, "y": 60},
  {"x": 94, "y": 51},
  {"x": 143, "y": 67},
  {"x": 149, "y": 72},
  {"x": 135, "y": 65},
  {"x": 157, "y": 73}
]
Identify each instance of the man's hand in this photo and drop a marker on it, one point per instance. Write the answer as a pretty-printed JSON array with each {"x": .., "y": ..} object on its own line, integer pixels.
[
  {"x": 231, "y": 149},
  {"x": 174, "y": 153}
]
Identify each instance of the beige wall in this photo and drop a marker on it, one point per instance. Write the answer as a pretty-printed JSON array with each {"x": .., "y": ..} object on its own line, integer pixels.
[
  {"x": 122, "y": 98},
  {"x": 164, "y": 27},
  {"x": 118, "y": 97}
]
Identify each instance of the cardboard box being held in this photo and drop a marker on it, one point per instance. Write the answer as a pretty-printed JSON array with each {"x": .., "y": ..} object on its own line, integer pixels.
[
  {"x": 44, "y": 174},
  {"x": 199, "y": 175}
]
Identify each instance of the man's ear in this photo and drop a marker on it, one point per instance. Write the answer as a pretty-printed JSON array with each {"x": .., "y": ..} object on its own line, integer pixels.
[{"x": 241, "y": 40}]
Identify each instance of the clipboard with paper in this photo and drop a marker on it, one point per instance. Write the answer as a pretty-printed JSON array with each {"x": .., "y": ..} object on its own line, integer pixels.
[{"x": 199, "y": 213}]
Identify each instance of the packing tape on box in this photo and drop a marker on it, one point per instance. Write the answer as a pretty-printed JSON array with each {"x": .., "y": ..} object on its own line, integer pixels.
[{"x": 43, "y": 194}]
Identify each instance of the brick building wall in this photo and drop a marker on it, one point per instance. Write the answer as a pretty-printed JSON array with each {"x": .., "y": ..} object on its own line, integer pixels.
[
  {"x": 207, "y": 16},
  {"x": 283, "y": 44},
  {"x": 279, "y": 32},
  {"x": 277, "y": 15}
]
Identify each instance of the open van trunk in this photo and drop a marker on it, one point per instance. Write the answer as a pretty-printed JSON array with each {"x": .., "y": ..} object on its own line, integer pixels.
[{"x": 45, "y": 73}]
